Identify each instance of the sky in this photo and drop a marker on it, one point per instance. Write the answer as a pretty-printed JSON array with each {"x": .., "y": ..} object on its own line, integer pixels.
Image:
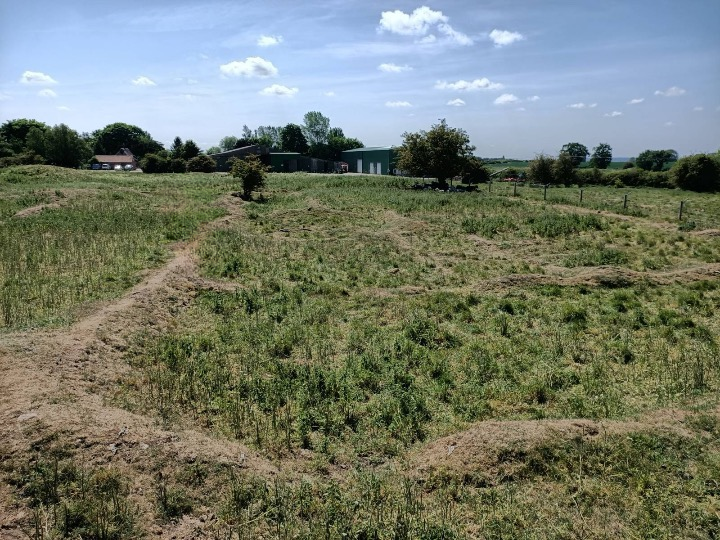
[{"x": 521, "y": 77}]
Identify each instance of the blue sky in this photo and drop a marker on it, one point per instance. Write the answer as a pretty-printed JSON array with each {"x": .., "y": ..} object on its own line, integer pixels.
[{"x": 520, "y": 76}]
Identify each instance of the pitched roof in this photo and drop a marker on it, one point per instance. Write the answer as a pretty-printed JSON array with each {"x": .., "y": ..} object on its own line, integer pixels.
[{"x": 116, "y": 159}]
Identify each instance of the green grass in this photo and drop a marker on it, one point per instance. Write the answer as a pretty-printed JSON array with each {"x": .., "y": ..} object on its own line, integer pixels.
[{"x": 353, "y": 322}]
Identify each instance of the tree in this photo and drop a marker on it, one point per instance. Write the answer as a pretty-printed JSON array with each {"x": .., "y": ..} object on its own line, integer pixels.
[
  {"x": 475, "y": 171},
  {"x": 110, "y": 139},
  {"x": 15, "y": 133},
  {"x": 655, "y": 160},
  {"x": 189, "y": 150},
  {"x": 227, "y": 143},
  {"x": 540, "y": 170},
  {"x": 337, "y": 143},
  {"x": 293, "y": 140},
  {"x": 64, "y": 147},
  {"x": 315, "y": 127},
  {"x": 251, "y": 172},
  {"x": 601, "y": 156},
  {"x": 155, "y": 163},
  {"x": 563, "y": 170},
  {"x": 441, "y": 153},
  {"x": 269, "y": 136},
  {"x": 578, "y": 152},
  {"x": 176, "y": 148},
  {"x": 177, "y": 165},
  {"x": 213, "y": 150},
  {"x": 202, "y": 164},
  {"x": 700, "y": 172}
]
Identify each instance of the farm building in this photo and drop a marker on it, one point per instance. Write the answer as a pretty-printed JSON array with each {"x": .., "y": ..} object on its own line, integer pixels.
[
  {"x": 293, "y": 162},
  {"x": 222, "y": 159},
  {"x": 122, "y": 158},
  {"x": 371, "y": 160}
]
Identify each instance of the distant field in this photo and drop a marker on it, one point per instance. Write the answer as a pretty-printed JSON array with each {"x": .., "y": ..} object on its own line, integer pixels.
[{"x": 349, "y": 358}]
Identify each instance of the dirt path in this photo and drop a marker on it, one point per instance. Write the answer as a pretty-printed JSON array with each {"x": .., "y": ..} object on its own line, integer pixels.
[{"x": 57, "y": 383}]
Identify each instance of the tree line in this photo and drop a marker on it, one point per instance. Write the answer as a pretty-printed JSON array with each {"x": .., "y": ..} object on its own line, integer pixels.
[{"x": 27, "y": 141}]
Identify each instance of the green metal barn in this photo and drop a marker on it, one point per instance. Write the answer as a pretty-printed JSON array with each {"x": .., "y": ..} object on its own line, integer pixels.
[{"x": 371, "y": 160}]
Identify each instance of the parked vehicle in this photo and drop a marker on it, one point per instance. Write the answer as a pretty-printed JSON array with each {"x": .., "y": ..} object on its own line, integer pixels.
[
  {"x": 128, "y": 167},
  {"x": 105, "y": 167},
  {"x": 118, "y": 167},
  {"x": 95, "y": 167}
]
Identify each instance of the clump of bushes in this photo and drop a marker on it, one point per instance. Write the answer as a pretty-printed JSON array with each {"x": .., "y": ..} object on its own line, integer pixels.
[{"x": 202, "y": 164}]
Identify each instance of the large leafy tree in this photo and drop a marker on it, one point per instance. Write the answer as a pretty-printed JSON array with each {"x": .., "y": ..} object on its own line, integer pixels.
[
  {"x": 292, "y": 139},
  {"x": 442, "y": 152},
  {"x": 15, "y": 133},
  {"x": 601, "y": 156},
  {"x": 655, "y": 160},
  {"x": 699, "y": 172},
  {"x": 578, "y": 152},
  {"x": 65, "y": 147},
  {"x": 270, "y": 136},
  {"x": 563, "y": 170},
  {"x": 228, "y": 143},
  {"x": 190, "y": 149},
  {"x": 113, "y": 137},
  {"x": 541, "y": 170},
  {"x": 316, "y": 127}
]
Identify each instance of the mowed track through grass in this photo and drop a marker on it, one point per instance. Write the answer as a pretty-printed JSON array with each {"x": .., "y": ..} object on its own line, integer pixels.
[{"x": 350, "y": 326}]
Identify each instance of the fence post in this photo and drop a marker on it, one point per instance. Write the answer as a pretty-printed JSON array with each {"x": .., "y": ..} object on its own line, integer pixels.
[
  {"x": 682, "y": 204},
  {"x": 581, "y": 195},
  {"x": 489, "y": 186},
  {"x": 625, "y": 201},
  {"x": 545, "y": 193},
  {"x": 515, "y": 188}
]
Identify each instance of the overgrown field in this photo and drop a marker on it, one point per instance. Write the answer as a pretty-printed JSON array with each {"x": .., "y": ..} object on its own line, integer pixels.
[{"x": 412, "y": 362}]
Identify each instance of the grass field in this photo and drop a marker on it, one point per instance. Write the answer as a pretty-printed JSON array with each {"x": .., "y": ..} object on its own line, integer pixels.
[{"x": 404, "y": 364}]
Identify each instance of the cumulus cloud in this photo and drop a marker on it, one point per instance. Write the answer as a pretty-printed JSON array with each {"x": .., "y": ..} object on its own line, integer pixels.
[
  {"x": 456, "y": 103},
  {"x": 504, "y": 37},
  {"x": 469, "y": 86},
  {"x": 669, "y": 124},
  {"x": 393, "y": 68},
  {"x": 143, "y": 81},
  {"x": 636, "y": 101},
  {"x": 673, "y": 91},
  {"x": 253, "y": 66},
  {"x": 419, "y": 23},
  {"x": 36, "y": 77},
  {"x": 506, "y": 99},
  {"x": 534, "y": 98},
  {"x": 397, "y": 104},
  {"x": 47, "y": 93},
  {"x": 613, "y": 114},
  {"x": 698, "y": 109},
  {"x": 269, "y": 41},
  {"x": 330, "y": 94},
  {"x": 279, "y": 90}
]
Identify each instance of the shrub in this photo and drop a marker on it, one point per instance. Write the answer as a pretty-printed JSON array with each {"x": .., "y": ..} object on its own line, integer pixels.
[
  {"x": 699, "y": 172},
  {"x": 154, "y": 163},
  {"x": 251, "y": 172},
  {"x": 540, "y": 170},
  {"x": 178, "y": 165},
  {"x": 202, "y": 164}
]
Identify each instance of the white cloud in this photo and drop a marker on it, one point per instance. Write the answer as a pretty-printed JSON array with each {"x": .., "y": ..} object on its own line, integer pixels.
[
  {"x": 456, "y": 103},
  {"x": 613, "y": 114},
  {"x": 36, "y": 77},
  {"x": 253, "y": 66},
  {"x": 47, "y": 93},
  {"x": 503, "y": 37},
  {"x": 534, "y": 98},
  {"x": 521, "y": 109},
  {"x": 669, "y": 124},
  {"x": 577, "y": 106},
  {"x": 592, "y": 105},
  {"x": 636, "y": 101},
  {"x": 673, "y": 91},
  {"x": 330, "y": 94},
  {"x": 454, "y": 35},
  {"x": 698, "y": 109},
  {"x": 143, "y": 81},
  {"x": 279, "y": 90},
  {"x": 63, "y": 108},
  {"x": 505, "y": 99},
  {"x": 393, "y": 68},
  {"x": 397, "y": 104},
  {"x": 269, "y": 41},
  {"x": 419, "y": 23},
  {"x": 477, "y": 84}
]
